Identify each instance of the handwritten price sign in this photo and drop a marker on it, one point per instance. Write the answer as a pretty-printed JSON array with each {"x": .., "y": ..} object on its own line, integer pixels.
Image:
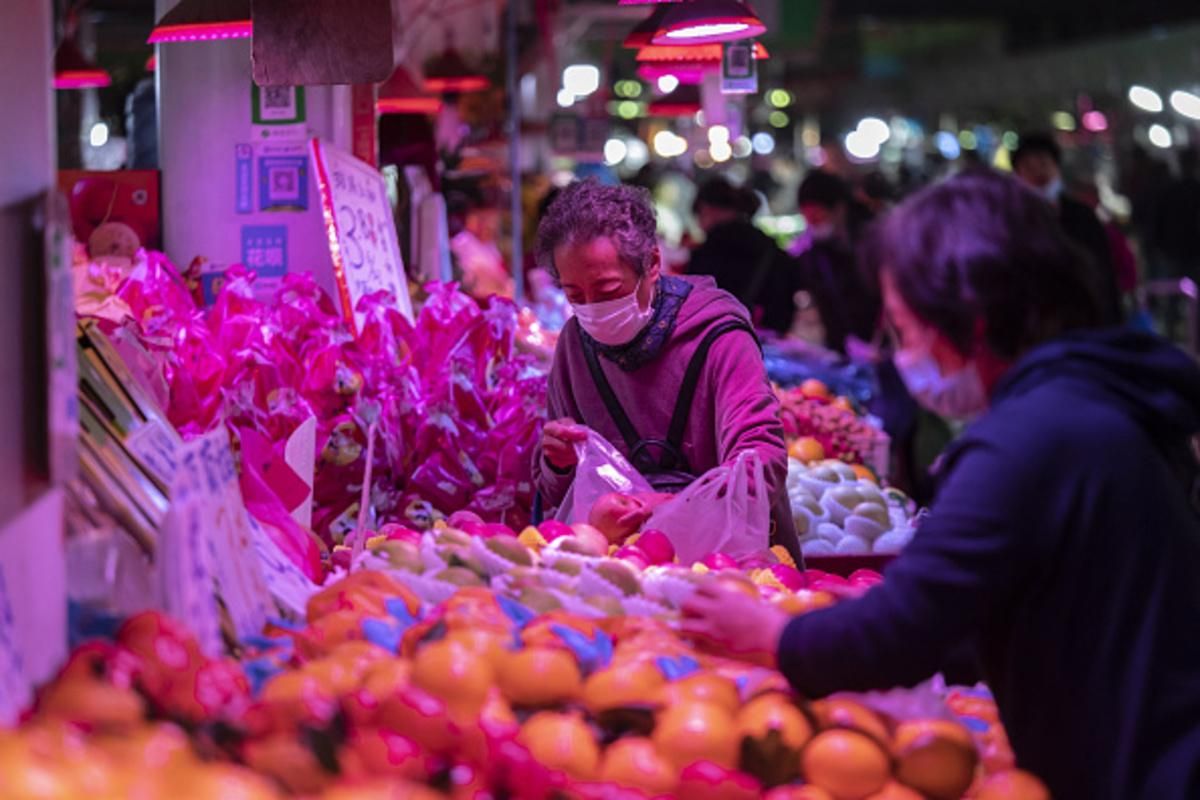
[{"x": 362, "y": 233}]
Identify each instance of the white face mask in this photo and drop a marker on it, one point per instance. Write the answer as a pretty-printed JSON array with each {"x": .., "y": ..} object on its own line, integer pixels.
[
  {"x": 958, "y": 396},
  {"x": 615, "y": 322}
]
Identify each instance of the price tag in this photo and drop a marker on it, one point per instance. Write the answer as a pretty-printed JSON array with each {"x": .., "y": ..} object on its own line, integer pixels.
[
  {"x": 361, "y": 231},
  {"x": 157, "y": 448},
  {"x": 287, "y": 583},
  {"x": 15, "y": 691}
]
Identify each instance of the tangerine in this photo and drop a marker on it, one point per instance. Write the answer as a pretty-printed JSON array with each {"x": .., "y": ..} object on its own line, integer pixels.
[
  {"x": 562, "y": 742},
  {"x": 490, "y": 644},
  {"x": 897, "y": 791},
  {"x": 803, "y": 601},
  {"x": 807, "y": 449},
  {"x": 864, "y": 473},
  {"x": 1014, "y": 784},
  {"x": 936, "y": 757},
  {"x": 538, "y": 676},
  {"x": 636, "y": 762},
  {"x": 847, "y": 763},
  {"x": 842, "y": 713},
  {"x": 634, "y": 682},
  {"x": 774, "y": 711},
  {"x": 448, "y": 670},
  {"x": 798, "y": 792},
  {"x": 703, "y": 687},
  {"x": 695, "y": 731},
  {"x": 814, "y": 388}
]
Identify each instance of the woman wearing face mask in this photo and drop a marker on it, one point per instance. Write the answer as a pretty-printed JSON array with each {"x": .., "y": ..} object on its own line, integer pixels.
[
  {"x": 622, "y": 366},
  {"x": 1064, "y": 543}
]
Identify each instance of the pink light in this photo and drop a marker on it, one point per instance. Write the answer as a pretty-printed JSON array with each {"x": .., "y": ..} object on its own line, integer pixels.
[
  {"x": 690, "y": 53},
  {"x": 82, "y": 79},
  {"x": 202, "y": 32},
  {"x": 686, "y": 73},
  {"x": 408, "y": 105},
  {"x": 152, "y": 63},
  {"x": 708, "y": 21},
  {"x": 1095, "y": 121}
]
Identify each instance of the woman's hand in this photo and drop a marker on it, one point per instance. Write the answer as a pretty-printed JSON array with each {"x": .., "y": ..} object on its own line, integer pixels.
[
  {"x": 730, "y": 622},
  {"x": 559, "y": 438}
]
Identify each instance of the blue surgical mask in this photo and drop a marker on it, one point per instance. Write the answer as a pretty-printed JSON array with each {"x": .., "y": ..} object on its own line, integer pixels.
[
  {"x": 959, "y": 395},
  {"x": 614, "y": 322}
]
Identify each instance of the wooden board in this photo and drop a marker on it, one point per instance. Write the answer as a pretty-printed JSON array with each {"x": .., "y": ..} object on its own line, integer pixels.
[{"x": 317, "y": 42}]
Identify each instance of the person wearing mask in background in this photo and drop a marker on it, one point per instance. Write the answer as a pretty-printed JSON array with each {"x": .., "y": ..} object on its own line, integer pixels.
[
  {"x": 826, "y": 264},
  {"x": 622, "y": 363},
  {"x": 1064, "y": 542},
  {"x": 742, "y": 259},
  {"x": 479, "y": 259},
  {"x": 1037, "y": 162}
]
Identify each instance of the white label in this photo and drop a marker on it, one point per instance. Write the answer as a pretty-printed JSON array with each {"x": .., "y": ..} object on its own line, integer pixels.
[
  {"x": 361, "y": 230},
  {"x": 157, "y": 448},
  {"x": 300, "y": 454},
  {"x": 287, "y": 583},
  {"x": 185, "y": 567}
]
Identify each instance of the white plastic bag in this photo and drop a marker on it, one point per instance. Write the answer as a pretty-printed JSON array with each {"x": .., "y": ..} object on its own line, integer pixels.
[
  {"x": 601, "y": 469},
  {"x": 725, "y": 510}
]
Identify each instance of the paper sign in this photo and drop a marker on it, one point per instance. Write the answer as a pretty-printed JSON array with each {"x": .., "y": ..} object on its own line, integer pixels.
[
  {"x": 265, "y": 249},
  {"x": 286, "y": 582},
  {"x": 157, "y": 448},
  {"x": 283, "y": 183},
  {"x": 300, "y": 454},
  {"x": 739, "y": 70},
  {"x": 15, "y": 691},
  {"x": 244, "y": 178},
  {"x": 362, "y": 233}
]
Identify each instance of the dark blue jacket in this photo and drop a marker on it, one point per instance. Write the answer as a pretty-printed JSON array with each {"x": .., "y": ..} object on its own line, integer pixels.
[{"x": 1064, "y": 548}]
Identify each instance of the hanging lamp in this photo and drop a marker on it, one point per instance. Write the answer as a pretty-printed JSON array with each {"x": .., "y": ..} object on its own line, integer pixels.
[
  {"x": 448, "y": 73},
  {"x": 400, "y": 94},
  {"x": 683, "y": 102},
  {"x": 707, "y": 21},
  {"x": 73, "y": 70},
  {"x": 204, "y": 20}
]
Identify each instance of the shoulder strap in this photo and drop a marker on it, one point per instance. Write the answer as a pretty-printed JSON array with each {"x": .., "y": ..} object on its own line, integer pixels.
[
  {"x": 691, "y": 378},
  {"x": 628, "y": 432}
]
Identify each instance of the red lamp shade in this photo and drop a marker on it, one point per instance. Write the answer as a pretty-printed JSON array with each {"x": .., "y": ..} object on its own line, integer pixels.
[
  {"x": 703, "y": 21},
  {"x": 643, "y": 35},
  {"x": 683, "y": 102},
  {"x": 72, "y": 70},
  {"x": 691, "y": 54},
  {"x": 448, "y": 73},
  {"x": 204, "y": 20},
  {"x": 400, "y": 94}
]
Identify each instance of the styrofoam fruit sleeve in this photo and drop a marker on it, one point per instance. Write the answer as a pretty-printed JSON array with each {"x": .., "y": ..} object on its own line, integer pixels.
[
  {"x": 837, "y": 511},
  {"x": 893, "y": 541},
  {"x": 591, "y": 584},
  {"x": 572, "y": 604},
  {"x": 552, "y": 556},
  {"x": 643, "y": 607},
  {"x": 431, "y": 590},
  {"x": 668, "y": 588},
  {"x": 493, "y": 563},
  {"x": 816, "y": 487},
  {"x": 818, "y": 547},
  {"x": 864, "y": 527},
  {"x": 829, "y": 532},
  {"x": 429, "y": 555}
]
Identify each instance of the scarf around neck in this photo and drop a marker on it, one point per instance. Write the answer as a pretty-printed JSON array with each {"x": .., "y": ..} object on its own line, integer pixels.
[{"x": 650, "y": 341}]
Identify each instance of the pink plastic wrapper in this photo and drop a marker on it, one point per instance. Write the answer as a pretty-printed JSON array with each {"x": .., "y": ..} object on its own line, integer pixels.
[{"x": 457, "y": 409}]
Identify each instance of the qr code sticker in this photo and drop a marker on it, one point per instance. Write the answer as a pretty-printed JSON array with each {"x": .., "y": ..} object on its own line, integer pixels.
[{"x": 277, "y": 103}]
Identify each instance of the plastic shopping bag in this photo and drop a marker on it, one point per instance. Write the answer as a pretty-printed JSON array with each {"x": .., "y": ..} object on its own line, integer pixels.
[
  {"x": 601, "y": 469},
  {"x": 726, "y": 510}
]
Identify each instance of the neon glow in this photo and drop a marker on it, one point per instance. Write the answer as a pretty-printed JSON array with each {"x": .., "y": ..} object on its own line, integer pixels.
[
  {"x": 202, "y": 32},
  {"x": 720, "y": 151},
  {"x": 682, "y": 73},
  {"x": 1095, "y": 121},
  {"x": 709, "y": 21},
  {"x": 1146, "y": 99},
  {"x": 669, "y": 144},
  {"x": 711, "y": 32},
  {"x": 764, "y": 143},
  {"x": 615, "y": 151},
  {"x": 408, "y": 105},
  {"x": 1185, "y": 103},
  {"x": 694, "y": 53},
  {"x": 82, "y": 79},
  {"x": 1160, "y": 137},
  {"x": 667, "y": 83},
  {"x": 581, "y": 80}
]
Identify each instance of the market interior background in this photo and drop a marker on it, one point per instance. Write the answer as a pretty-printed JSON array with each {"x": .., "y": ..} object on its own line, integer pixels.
[{"x": 472, "y": 111}]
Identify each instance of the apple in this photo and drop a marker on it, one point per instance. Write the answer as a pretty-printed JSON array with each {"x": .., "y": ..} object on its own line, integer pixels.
[
  {"x": 593, "y": 540},
  {"x": 704, "y": 780},
  {"x": 618, "y": 515},
  {"x": 634, "y": 555},
  {"x": 395, "y": 532},
  {"x": 657, "y": 547},
  {"x": 457, "y": 519},
  {"x": 865, "y": 577},
  {"x": 552, "y": 529},
  {"x": 792, "y": 578},
  {"x": 719, "y": 561}
]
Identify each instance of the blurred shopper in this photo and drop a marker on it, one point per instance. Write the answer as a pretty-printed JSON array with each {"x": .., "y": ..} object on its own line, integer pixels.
[
  {"x": 1176, "y": 225},
  {"x": 827, "y": 268},
  {"x": 742, "y": 259},
  {"x": 1037, "y": 161},
  {"x": 1124, "y": 261},
  {"x": 1064, "y": 542},
  {"x": 477, "y": 253}
]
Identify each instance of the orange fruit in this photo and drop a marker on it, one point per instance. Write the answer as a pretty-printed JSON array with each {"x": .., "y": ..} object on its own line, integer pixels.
[
  {"x": 562, "y": 742},
  {"x": 334, "y": 676},
  {"x": 358, "y": 657},
  {"x": 296, "y": 697},
  {"x": 490, "y": 644},
  {"x": 704, "y": 687},
  {"x": 92, "y": 702},
  {"x": 814, "y": 388},
  {"x": 697, "y": 731},
  {"x": 807, "y": 449},
  {"x": 385, "y": 678},
  {"x": 382, "y": 790},
  {"x": 448, "y": 670},
  {"x": 803, "y": 601},
  {"x": 936, "y": 757},
  {"x": 864, "y": 473},
  {"x": 847, "y": 763},
  {"x": 799, "y": 792},
  {"x": 284, "y": 758},
  {"x": 774, "y": 711},
  {"x": 1014, "y": 784},
  {"x": 843, "y": 403},
  {"x": 538, "y": 676},
  {"x": 229, "y": 782},
  {"x": 636, "y": 763},
  {"x": 633, "y": 682},
  {"x": 897, "y": 791},
  {"x": 842, "y": 713}
]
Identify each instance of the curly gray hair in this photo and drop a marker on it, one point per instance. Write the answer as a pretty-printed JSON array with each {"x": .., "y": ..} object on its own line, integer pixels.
[{"x": 588, "y": 210}]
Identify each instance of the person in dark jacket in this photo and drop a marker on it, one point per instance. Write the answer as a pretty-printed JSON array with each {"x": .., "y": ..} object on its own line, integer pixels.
[
  {"x": 826, "y": 264},
  {"x": 742, "y": 259},
  {"x": 1064, "y": 543},
  {"x": 1037, "y": 161}
]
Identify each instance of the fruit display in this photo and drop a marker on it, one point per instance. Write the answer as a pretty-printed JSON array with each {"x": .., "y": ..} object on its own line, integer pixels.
[
  {"x": 840, "y": 510},
  {"x": 452, "y": 405},
  {"x": 819, "y": 425},
  {"x": 379, "y": 694}
]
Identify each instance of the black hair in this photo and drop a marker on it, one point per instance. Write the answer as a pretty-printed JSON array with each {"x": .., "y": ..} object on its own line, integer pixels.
[
  {"x": 824, "y": 189},
  {"x": 718, "y": 192},
  {"x": 1036, "y": 142},
  {"x": 982, "y": 246}
]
